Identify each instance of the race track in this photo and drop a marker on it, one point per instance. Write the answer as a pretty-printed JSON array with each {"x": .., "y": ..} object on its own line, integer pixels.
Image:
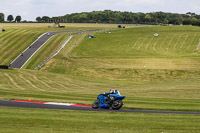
[
  {"x": 5, "y": 103},
  {"x": 31, "y": 50},
  {"x": 20, "y": 61}
]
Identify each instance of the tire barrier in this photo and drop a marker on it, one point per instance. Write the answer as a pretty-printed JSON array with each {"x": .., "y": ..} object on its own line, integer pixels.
[{"x": 4, "y": 67}]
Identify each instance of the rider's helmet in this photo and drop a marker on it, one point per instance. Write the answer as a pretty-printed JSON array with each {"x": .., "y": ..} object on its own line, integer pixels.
[{"x": 112, "y": 90}]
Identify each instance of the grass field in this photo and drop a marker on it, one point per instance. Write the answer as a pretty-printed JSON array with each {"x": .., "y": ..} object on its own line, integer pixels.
[
  {"x": 168, "y": 81},
  {"x": 133, "y": 54},
  {"x": 158, "y": 73},
  {"x": 19, "y": 36},
  {"x": 56, "y": 121}
]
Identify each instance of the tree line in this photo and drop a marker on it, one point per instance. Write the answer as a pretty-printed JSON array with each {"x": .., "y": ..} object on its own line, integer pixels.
[
  {"x": 108, "y": 16},
  {"x": 117, "y": 17},
  {"x": 10, "y": 18}
]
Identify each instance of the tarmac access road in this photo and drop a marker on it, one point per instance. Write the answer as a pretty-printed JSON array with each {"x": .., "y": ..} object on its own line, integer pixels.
[
  {"x": 21, "y": 60},
  {"x": 4, "y": 103}
]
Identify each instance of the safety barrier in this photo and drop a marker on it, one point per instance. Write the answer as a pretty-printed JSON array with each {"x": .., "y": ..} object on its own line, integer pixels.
[{"x": 4, "y": 67}]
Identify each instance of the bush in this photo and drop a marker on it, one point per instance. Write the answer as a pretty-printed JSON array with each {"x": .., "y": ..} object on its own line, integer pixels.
[{"x": 119, "y": 26}]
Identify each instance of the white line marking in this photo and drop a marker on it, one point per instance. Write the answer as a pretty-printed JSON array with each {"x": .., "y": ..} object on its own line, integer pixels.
[{"x": 65, "y": 104}]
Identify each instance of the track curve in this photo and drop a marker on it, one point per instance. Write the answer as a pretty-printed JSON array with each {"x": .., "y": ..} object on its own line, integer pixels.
[
  {"x": 21, "y": 60},
  {"x": 4, "y": 103}
]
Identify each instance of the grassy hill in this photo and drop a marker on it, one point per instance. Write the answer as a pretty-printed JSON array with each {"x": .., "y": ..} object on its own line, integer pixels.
[
  {"x": 18, "y": 37},
  {"x": 140, "y": 43},
  {"x": 133, "y": 54},
  {"x": 159, "y": 73}
]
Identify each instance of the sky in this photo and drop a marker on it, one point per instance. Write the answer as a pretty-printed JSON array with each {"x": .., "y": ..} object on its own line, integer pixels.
[{"x": 30, "y": 9}]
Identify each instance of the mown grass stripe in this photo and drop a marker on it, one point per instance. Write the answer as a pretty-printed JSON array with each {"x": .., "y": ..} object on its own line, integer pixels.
[
  {"x": 9, "y": 39},
  {"x": 47, "y": 86},
  {"x": 8, "y": 35},
  {"x": 29, "y": 83},
  {"x": 19, "y": 43},
  {"x": 12, "y": 82},
  {"x": 185, "y": 38},
  {"x": 13, "y": 38},
  {"x": 54, "y": 83}
]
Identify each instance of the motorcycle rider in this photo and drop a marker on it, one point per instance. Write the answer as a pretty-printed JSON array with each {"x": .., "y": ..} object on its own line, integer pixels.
[
  {"x": 112, "y": 91},
  {"x": 111, "y": 99}
]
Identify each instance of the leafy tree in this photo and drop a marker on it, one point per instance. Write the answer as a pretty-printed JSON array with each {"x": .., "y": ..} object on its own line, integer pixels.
[
  {"x": 148, "y": 17},
  {"x": 194, "y": 21},
  {"x": 83, "y": 17},
  {"x": 108, "y": 16},
  {"x": 191, "y": 14},
  {"x": 18, "y": 19},
  {"x": 1, "y": 17},
  {"x": 126, "y": 17},
  {"x": 10, "y": 18},
  {"x": 38, "y": 19},
  {"x": 45, "y": 19}
]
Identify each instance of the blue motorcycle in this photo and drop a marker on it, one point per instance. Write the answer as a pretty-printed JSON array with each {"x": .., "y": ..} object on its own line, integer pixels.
[{"x": 108, "y": 100}]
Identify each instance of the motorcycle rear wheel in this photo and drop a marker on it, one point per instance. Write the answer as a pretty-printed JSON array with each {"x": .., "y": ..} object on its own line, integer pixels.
[
  {"x": 117, "y": 104},
  {"x": 95, "y": 104}
]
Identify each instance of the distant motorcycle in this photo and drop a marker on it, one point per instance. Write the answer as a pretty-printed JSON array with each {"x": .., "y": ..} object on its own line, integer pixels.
[{"x": 108, "y": 100}]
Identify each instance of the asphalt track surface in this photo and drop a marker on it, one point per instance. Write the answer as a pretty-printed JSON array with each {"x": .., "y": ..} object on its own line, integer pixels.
[
  {"x": 4, "y": 103},
  {"x": 20, "y": 61}
]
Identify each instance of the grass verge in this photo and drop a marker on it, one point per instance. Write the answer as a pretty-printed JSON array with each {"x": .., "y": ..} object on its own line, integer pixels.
[{"x": 28, "y": 120}]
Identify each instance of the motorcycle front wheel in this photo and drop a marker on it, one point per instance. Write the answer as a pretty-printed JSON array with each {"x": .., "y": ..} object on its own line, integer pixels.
[
  {"x": 117, "y": 104},
  {"x": 95, "y": 104}
]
